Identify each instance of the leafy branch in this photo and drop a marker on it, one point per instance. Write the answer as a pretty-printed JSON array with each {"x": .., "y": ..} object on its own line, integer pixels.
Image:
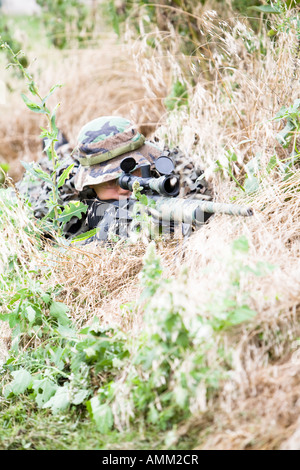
[{"x": 50, "y": 136}]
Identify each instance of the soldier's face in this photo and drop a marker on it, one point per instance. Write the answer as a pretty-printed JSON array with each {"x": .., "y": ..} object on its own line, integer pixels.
[{"x": 112, "y": 190}]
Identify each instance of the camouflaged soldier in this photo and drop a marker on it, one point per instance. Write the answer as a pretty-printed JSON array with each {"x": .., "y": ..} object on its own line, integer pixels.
[
  {"x": 37, "y": 191},
  {"x": 102, "y": 144}
]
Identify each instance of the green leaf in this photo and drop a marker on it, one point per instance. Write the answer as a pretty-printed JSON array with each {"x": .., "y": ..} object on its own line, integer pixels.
[
  {"x": 271, "y": 164},
  {"x": 251, "y": 184},
  {"x": 241, "y": 244},
  {"x": 47, "y": 144},
  {"x": 44, "y": 390},
  {"x": 4, "y": 166},
  {"x": 285, "y": 135},
  {"x": 37, "y": 172},
  {"x": 52, "y": 90},
  {"x": 177, "y": 97},
  {"x": 266, "y": 9},
  {"x": 253, "y": 165},
  {"x": 282, "y": 113},
  {"x": 67, "y": 332},
  {"x": 143, "y": 199},
  {"x": 271, "y": 33},
  {"x": 115, "y": 20},
  {"x": 4, "y": 316},
  {"x": 73, "y": 209},
  {"x": 294, "y": 109},
  {"x": 34, "y": 106},
  {"x": 79, "y": 397},
  {"x": 22, "y": 380},
  {"x": 30, "y": 313},
  {"x": 12, "y": 317},
  {"x": 53, "y": 118},
  {"x": 59, "y": 311},
  {"x": 60, "y": 401},
  {"x": 45, "y": 298},
  {"x": 262, "y": 268},
  {"x": 241, "y": 314},
  {"x": 153, "y": 414},
  {"x": 181, "y": 396},
  {"x": 101, "y": 414},
  {"x": 85, "y": 235},
  {"x": 2, "y": 176},
  {"x": 32, "y": 88},
  {"x": 64, "y": 175}
]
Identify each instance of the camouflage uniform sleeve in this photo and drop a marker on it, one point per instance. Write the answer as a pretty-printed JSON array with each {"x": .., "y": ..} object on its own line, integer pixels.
[
  {"x": 115, "y": 220},
  {"x": 37, "y": 192}
]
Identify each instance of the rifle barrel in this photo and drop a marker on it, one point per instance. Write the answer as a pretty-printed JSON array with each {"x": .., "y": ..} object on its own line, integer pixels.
[{"x": 193, "y": 210}]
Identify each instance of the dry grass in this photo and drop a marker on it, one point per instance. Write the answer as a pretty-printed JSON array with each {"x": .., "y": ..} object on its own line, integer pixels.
[
  {"x": 96, "y": 82},
  {"x": 266, "y": 418},
  {"x": 238, "y": 107},
  {"x": 95, "y": 278},
  {"x": 258, "y": 406}
]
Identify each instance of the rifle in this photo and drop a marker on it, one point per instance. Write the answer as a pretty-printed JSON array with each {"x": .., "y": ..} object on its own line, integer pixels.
[{"x": 164, "y": 189}]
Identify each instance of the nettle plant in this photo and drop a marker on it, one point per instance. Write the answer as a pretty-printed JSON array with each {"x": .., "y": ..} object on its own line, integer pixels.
[
  {"x": 143, "y": 226},
  {"x": 58, "y": 214},
  {"x": 155, "y": 375}
]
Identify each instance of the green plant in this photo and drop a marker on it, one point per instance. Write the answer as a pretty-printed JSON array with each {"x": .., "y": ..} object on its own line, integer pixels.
[
  {"x": 232, "y": 307},
  {"x": 252, "y": 180},
  {"x": 228, "y": 166},
  {"x": 49, "y": 358},
  {"x": 66, "y": 21},
  {"x": 177, "y": 97},
  {"x": 7, "y": 36},
  {"x": 143, "y": 224},
  {"x": 291, "y": 130},
  {"x": 286, "y": 20},
  {"x": 168, "y": 361},
  {"x": 58, "y": 215},
  {"x": 287, "y": 137},
  {"x": 153, "y": 375}
]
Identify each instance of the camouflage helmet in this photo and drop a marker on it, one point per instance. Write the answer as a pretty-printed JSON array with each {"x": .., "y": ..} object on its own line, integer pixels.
[{"x": 102, "y": 145}]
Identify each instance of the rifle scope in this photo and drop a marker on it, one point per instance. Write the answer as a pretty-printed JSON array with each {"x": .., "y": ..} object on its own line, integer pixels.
[{"x": 166, "y": 185}]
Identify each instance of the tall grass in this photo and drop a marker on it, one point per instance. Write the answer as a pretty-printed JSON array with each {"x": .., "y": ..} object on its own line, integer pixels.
[{"x": 236, "y": 82}]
